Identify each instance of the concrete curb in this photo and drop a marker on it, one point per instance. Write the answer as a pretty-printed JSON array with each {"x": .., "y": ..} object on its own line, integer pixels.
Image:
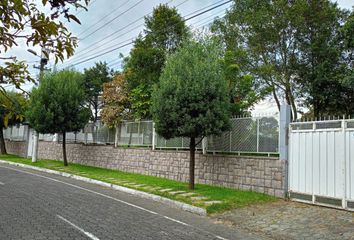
[{"x": 169, "y": 202}]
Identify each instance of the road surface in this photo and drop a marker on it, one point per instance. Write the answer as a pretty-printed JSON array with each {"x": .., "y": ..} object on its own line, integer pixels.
[{"x": 36, "y": 205}]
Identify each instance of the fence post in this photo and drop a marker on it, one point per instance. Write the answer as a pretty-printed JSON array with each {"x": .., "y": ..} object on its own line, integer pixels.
[
  {"x": 153, "y": 136},
  {"x": 257, "y": 121},
  {"x": 116, "y": 137},
  {"x": 204, "y": 145},
  {"x": 284, "y": 121},
  {"x": 344, "y": 169}
]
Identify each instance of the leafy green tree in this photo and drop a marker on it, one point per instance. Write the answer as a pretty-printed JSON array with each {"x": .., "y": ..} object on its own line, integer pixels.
[
  {"x": 94, "y": 78},
  {"x": 58, "y": 105},
  {"x": 261, "y": 34},
  {"x": 321, "y": 51},
  {"x": 242, "y": 88},
  {"x": 164, "y": 32},
  {"x": 297, "y": 50},
  {"x": 12, "y": 109},
  {"x": 26, "y": 20},
  {"x": 190, "y": 99}
]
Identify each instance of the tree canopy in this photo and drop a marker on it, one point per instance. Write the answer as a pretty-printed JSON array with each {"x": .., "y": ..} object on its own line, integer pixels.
[
  {"x": 191, "y": 98},
  {"x": 25, "y": 21},
  {"x": 298, "y": 51},
  {"x": 164, "y": 31},
  {"x": 94, "y": 78},
  {"x": 58, "y": 105},
  {"x": 116, "y": 105},
  {"x": 12, "y": 110}
]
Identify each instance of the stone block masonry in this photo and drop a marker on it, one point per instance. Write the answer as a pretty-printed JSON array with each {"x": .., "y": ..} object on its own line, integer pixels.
[{"x": 259, "y": 174}]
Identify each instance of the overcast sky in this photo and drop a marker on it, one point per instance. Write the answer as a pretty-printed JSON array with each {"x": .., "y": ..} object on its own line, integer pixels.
[{"x": 109, "y": 24}]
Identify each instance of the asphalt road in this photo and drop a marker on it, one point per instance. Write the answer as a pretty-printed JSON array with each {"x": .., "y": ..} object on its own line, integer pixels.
[{"x": 35, "y": 205}]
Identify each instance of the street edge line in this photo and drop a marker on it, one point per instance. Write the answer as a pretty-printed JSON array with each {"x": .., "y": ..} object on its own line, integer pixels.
[{"x": 156, "y": 198}]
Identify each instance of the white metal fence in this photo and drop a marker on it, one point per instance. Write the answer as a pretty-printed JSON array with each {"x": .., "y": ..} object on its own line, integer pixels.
[
  {"x": 321, "y": 162},
  {"x": 247, "y": 135}
]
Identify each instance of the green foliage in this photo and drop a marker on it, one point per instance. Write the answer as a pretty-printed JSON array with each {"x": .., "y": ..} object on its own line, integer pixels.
[
  {"x": 191, "y": 99},
  {"x": 301, "y": 50},
  {"x": 25, "y": 20},
  {"x": 261, "y": 34},
  {"x": 242, "y": 88},
  {"x": 320, "y": 65},
  {"x": 164, "y": 32},
  {"x": 140, "y": 98},
  {"x": 12, "y": 108},
  {"x": 57, "y": 105},
  {"x": 94, "y": 78}
]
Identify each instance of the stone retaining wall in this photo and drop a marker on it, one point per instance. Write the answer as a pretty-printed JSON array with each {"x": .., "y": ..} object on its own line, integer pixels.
[
  {"x": 259, "y": 174},
  {"x": 18, "y": 148}
]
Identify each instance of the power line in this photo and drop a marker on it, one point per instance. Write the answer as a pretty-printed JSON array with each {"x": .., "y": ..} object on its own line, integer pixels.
[
  {"x": 106, "y": 24},
  {"x": 103, "y": 18},
  {"x": 212, "y": 17},
  {"x": 106, "y": 38},
  {"x": 186, "y": 18},
  {"x": 127, "y": 44}
]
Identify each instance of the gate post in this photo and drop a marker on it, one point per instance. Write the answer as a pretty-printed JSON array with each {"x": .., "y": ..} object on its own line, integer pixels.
[{"x": 284, "y": 121}]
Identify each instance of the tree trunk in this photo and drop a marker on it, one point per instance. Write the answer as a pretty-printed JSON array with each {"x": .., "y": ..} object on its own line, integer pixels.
[
  {"x": 276, "y": 98},
  {"x": 316, "y": 111},
  {"x": 96, "y": 108},
  {"x": 191, "y": 162},
  {"x": 64, "y": 149},
  {"x": 130, "y": 136},
  {"x": 2, "y": 140}
]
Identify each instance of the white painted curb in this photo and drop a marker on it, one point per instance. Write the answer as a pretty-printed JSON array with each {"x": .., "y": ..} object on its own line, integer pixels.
[{"x": 169, "y": 202}]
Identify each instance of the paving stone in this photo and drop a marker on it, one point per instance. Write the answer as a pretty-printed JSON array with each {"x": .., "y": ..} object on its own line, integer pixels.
[
  {"x": 166, "y": 190},
  {"x": 292, "y": 220},
  {"x": 198, "y": 198},
  {"x": 138, "y": 185},
  {"x": 176, "y": 192},
  {"x": 212, "y": 202},
  {"x": 187, "y": 194}
]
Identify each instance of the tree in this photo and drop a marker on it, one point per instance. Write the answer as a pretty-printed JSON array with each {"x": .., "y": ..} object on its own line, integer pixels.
[
  {"x": 262, "y": 34},
  {"x": 164, "y": 31},
  {"x": 94, "y": 78},
  {"x": 12, "y": 109},
  {"x": 293, "y": 48},
  {"x": 58, "y": 105},
  {"x": 322, "y": 49},
  {"x": 24, "y": 21},
  {"x": 242, "y": 88},
  {"x": 116, "y": 105},
  {"x": 190, "y": 99}
]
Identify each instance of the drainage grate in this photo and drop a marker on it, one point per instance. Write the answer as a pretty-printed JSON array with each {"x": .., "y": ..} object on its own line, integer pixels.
[
  {"x": 350, "y": 204},
  {"x": 329, "y": 201},
  {"x": 301, "y": 196}
]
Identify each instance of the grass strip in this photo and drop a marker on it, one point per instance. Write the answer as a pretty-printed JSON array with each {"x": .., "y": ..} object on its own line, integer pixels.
[{"x": 230, "y": 198}]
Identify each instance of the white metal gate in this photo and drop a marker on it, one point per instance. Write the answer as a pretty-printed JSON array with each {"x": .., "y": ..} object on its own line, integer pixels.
[{"x": 321, "y": 162}]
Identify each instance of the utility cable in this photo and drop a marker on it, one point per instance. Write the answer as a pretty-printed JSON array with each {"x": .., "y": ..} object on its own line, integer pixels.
[{"x": 127, "y": 44}]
